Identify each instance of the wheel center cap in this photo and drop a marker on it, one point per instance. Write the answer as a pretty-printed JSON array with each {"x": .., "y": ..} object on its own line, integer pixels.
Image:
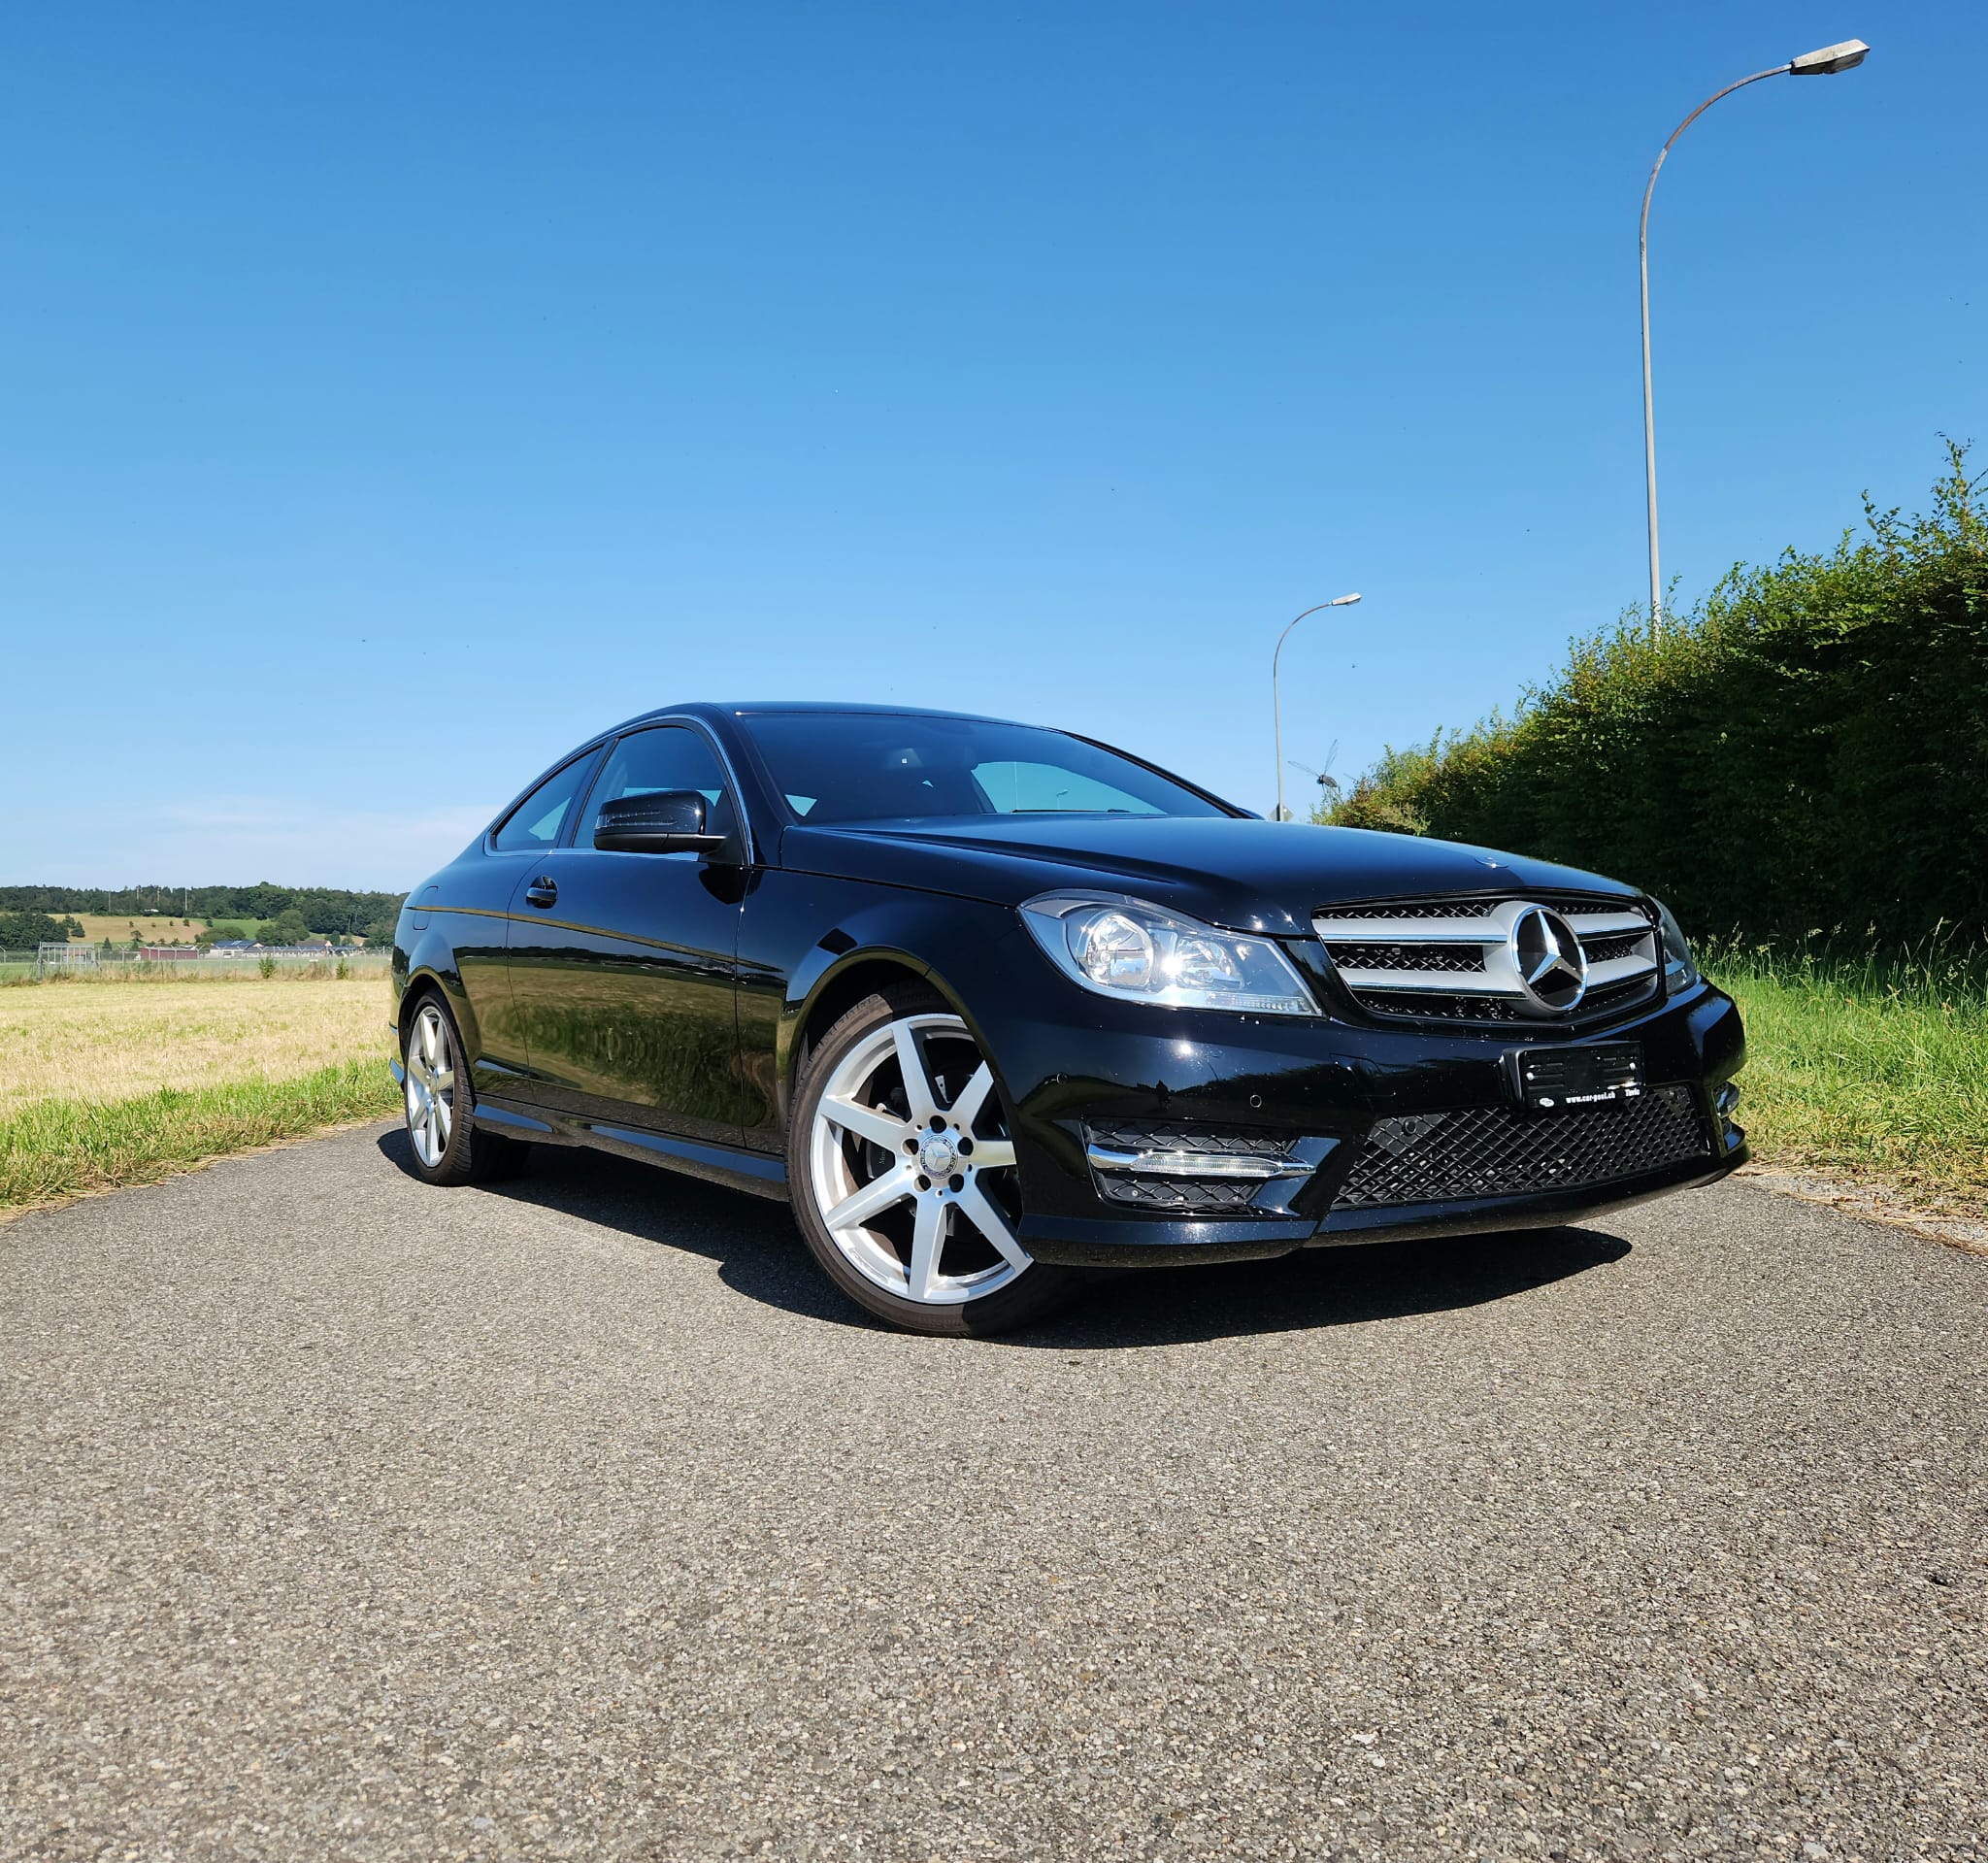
[{"x": 937, "y": 1156}]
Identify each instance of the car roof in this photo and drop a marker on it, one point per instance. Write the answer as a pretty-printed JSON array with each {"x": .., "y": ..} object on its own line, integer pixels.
[{"x": 815, "y": 708}]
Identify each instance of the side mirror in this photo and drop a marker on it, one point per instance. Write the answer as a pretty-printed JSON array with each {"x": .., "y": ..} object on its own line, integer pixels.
[{"x": 671, "y": 821}]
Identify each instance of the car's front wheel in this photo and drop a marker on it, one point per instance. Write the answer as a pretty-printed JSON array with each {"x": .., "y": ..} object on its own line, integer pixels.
[{"x": 902, "y": 1172}]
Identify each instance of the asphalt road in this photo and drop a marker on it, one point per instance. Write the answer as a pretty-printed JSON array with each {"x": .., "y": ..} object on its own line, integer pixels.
[{"x": 341, "y": 1517}]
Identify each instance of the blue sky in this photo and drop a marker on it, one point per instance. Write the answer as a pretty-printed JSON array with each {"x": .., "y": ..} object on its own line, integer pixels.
[{"x": 390, "y": 396}]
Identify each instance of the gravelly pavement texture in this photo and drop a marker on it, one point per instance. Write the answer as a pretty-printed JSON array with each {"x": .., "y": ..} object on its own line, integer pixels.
[{"x": 343, "y": 1517}]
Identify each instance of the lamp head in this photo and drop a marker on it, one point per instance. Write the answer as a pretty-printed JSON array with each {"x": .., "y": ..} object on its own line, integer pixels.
[
  {"x": 1830, "y": 59},
  {"x": 1343, "y": 601}
]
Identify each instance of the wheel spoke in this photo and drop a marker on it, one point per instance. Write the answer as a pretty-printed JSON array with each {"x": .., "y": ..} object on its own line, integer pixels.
[
  {"x": 993, "y": 1155},
  {"x": 861, "y": 1205},
  {"x": 441, "y": 1121},
  {"x": 965, "y": 1110},
  {"x": 980, "y": 1210},
  {"x": 431, "y": 1027},
  {"x": 928, "y": 1238},
  {"x": 912, "y": 1064},
  {"x": 871, "y": 1122},
  {"x": 443, "y": 1081}
]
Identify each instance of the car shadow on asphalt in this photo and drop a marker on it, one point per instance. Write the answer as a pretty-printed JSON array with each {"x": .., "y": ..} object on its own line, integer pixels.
[{"x": 760, "y": 1256}]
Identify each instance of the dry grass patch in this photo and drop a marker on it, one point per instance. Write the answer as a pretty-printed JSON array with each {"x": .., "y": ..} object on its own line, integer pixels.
[
  {"x": 121, "y": 928},
  {"x": 100, "y": 1042}
]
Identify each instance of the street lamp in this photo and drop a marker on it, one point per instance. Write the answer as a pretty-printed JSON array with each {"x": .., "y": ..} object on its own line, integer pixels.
[
  {"x": 1276, "y": 707},
  {"x": 1823, "y": 63}
]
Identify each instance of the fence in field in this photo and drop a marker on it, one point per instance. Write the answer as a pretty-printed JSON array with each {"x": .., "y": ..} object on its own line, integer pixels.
[{"x": 168, "y": 962}]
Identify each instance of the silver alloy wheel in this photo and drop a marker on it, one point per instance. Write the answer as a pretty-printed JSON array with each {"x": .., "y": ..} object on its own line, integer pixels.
[
  {"x": 881, "y": 1140},
  {"x": 431, "y": 1085}
]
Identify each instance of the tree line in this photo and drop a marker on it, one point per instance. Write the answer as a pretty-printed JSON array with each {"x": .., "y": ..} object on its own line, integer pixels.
[
  {"x": 1805, "y": 753},
  {"x": 327, "y": 911}
]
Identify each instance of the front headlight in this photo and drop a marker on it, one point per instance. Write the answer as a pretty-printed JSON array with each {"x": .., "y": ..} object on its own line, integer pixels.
[
  {"x": 1127, "y": 948},
  {"x": 1681, "y": 968}
]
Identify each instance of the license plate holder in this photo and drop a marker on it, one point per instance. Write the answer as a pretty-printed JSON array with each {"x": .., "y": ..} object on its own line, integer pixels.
[{"x": 1577, "y": 1078}]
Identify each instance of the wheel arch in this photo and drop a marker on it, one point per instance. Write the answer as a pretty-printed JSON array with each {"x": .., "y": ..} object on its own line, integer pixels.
[
  {"x": 852, "y": 977},
  {"x": 431, "y": 966}
]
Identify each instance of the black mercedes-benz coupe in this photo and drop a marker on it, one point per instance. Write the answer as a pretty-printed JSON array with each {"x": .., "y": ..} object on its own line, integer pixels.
[{"x": 994, "y": 1007}]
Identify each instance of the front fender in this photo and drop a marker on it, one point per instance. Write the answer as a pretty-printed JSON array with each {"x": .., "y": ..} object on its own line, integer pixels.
[{"x": 948, "y": 943}]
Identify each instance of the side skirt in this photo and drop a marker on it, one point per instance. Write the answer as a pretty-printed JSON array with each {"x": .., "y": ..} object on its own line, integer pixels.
[{"x": 756, "y": 1172}]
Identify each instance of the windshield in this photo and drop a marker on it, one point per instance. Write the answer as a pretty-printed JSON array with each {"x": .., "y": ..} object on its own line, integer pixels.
[{"x": 854, "y": 766}]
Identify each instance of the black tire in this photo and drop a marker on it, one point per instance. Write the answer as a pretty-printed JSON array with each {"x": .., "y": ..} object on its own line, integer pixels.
[
  {"x": 467, "y": 1153},
  {"x": 944, "y": 1230}
]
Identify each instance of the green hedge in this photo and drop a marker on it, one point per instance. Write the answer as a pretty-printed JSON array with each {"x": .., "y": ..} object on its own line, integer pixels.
[{"x": 1806, "y": 754}]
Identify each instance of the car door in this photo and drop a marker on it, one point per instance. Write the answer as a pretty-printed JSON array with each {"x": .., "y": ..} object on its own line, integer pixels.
[
  {"x": 623, "y": 965},
  {"x": 482, "y": 888}
]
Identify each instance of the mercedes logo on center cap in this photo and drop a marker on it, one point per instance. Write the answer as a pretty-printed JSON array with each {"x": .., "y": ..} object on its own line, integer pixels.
[{"x": 1552, "y": 968}]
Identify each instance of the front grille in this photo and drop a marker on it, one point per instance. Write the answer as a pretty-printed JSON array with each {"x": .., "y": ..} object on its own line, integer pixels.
[
  {"x": 1496, "y": 1151},
  {"x": 1416, "y": 909},
  {"x": 1459, "y": 960},
  {"x": 1464, "y": 959},
  {"x": 1439, "y": 1008}
]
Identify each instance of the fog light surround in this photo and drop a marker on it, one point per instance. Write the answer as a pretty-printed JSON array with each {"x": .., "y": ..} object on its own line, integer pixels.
[{"x": 1726, "y": 1103}]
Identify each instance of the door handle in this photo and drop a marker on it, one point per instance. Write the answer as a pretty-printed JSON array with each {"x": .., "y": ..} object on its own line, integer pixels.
[{"x": 543, "y": 891}]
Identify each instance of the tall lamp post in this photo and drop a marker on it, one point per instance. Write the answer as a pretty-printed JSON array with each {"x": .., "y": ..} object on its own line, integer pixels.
[
  {"x": 1822, "y": 63},
  {"x": 1276, "y": 707}
]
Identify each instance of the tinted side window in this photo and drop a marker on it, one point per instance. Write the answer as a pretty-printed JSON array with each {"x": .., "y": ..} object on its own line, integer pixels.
[
  {"x": 666, "y": 756},
  {"x": 535, "y": 823}
]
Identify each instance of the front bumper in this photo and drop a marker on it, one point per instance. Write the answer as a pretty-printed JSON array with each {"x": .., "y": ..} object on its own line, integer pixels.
[{"x": 1332, "y": 1089}]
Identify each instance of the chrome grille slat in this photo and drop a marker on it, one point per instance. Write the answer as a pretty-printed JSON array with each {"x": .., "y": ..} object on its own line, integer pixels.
[
  {"x": 1406, "y": 931},
  {"x": 1606, "y": 925},
  {"x": 1619, "y": 969},
  {"x": 1449, "y": 982}
]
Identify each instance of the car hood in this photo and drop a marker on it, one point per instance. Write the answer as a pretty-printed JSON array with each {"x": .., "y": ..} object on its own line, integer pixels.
[{"x": 1247, "y": 874}]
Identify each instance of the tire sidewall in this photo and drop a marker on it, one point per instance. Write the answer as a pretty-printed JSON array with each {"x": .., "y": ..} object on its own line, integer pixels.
[{"x": 453, "y": 1166}]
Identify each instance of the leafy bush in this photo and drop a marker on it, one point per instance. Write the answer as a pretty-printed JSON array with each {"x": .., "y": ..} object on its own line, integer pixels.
[
  {"x": 24, "y": 931},
  {"x": 1807, "y": 751}
]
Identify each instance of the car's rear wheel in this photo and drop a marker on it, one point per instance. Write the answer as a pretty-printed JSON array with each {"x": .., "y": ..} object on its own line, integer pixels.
[
  {"x": 441, "y": 1107},
  {"x": 902, "y": 1172}
]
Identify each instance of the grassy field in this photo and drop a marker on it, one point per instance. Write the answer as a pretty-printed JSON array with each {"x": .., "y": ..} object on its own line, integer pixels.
[
  {"x": 121, "y": 928},
  {"x": 1868, "y": 1069},
  {"x": 105, "y": 1084},
  {"x": 112, "y": 1041}
]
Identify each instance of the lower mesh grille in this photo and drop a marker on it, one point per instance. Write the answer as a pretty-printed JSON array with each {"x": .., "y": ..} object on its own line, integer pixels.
[
  {"x": 1495, "y": 1150},
  {"x": 1188, "y": 1168},
  {"x": 1184, "y": 1195},
  {"x": 1222, "y": 1141}
]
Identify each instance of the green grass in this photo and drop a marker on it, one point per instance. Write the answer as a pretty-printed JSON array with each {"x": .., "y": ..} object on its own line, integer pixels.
[
  {"x": 55, "y": 1148},
  {"x": 1868, "y": 1067}
]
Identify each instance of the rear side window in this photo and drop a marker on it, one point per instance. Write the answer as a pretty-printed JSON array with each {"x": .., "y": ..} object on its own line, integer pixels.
[
  {"x": 534, "y": 825},
  {"x": 666, "y": 756}
]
